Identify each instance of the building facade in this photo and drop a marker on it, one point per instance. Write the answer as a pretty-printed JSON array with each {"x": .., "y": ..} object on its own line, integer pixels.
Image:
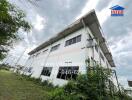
[{"x": 64, "y": 56}]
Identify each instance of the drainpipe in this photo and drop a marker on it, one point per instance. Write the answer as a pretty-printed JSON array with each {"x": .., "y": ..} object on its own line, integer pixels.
[
  {"x": 45, "y": 61},
  {"x": 84, "y": 25}
]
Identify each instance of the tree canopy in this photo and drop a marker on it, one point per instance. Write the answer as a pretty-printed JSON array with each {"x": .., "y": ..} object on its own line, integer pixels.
[{"x": 11, "y": 20}]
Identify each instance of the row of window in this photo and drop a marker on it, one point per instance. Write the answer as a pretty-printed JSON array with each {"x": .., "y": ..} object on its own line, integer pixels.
[
  {"x": 66, "y": 73},
  {"x": 67, "y": 43},
  {"x": 72, "y": 41}
]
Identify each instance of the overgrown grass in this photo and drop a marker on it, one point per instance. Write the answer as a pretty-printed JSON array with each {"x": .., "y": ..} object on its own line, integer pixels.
[
  {"x": 17, "y": 87},
  {"x": 86, "y": 87}
]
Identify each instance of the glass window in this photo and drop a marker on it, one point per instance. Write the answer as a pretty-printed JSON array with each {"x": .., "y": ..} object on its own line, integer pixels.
[
  {"x": 73, "y": 40},
  {"x": 30, "y": 69},
  {"x": 78, "y": 39},
  {"x": 96, "y": 48},
  {"x": 102, "y": 57},
  {"x": 90, "y": 40},
  {"x": 46, "y": 71},
  {"x": 45, "y": 50},
  {"x": 68, "y": 73},
  {"x": 55, "y": 47}
]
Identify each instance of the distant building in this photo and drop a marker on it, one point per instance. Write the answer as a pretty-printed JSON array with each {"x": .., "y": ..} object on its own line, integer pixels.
[
  {"x": 63, "y": 56},
  {"x": 130, "y": 83},
  {"x": 117, "y": 10},
  {"x": 128, "y": 91}
]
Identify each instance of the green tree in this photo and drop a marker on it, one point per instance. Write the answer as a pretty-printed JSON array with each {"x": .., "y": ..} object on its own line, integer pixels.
[{"x": 11, "y": 20}]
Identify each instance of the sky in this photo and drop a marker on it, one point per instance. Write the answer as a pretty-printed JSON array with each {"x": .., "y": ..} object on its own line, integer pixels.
[{"x": 48, "y": 17}]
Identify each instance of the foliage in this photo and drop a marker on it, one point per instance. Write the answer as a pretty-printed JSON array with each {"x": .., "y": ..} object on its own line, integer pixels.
[
  {"x": 11, "y": 20},
  {"x": 89, "y": 86},
  {"x": 22, "y": 87},
  {"x": 5, "y": 67},
  {"x": 39, "y": 81}
]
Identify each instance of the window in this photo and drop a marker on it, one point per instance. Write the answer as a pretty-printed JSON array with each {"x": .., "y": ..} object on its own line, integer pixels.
[
  {"x": 25, "y": 69},
  {"x": 46, "y": 71},
  {"x": 30, "y": 57},
  {"x": 45, "y": 50},
  {"x": 30, "y": 69},
  {"x": 68, "y": 72},
  {"x": 73, "y": 40},
  {"x": 102, "y": 57},
  {"x": 90, "y": 37},
  {"x": 78, "y": 38},
  {"x": 55, "y": 47},
  {"x": 96, "y": 48},
  {"x": 90, "y": 40},
  {"x": 37, "y": 54}
]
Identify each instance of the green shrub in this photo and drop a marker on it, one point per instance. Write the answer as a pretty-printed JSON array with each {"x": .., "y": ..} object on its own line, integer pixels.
[
  {"x": 4, "y": 67},
  {"x": 39, "y": 81},
  {"x": 89, "y": 86}
]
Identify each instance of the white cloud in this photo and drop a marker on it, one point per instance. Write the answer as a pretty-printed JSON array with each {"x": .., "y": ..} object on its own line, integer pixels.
[
  {"x": 91, "y": 4},
  {"x": 103, "y": 15},
  {"x": 125, "y": 43},
  {"x": 105, "y": 12},
  {"x": 39, "y": 23},
  {"x": 121, "y": 50},
  {"x": 64, "y": 4}
]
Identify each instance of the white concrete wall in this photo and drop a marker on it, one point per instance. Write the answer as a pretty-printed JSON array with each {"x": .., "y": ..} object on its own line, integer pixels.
[{"x": 76, "y": 54}]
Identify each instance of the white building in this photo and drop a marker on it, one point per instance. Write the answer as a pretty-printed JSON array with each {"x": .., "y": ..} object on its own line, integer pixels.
[{"x": 64, "y": 55}]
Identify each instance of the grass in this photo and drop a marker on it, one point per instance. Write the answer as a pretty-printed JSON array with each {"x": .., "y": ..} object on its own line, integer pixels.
[{"x": 16, "y": 87}]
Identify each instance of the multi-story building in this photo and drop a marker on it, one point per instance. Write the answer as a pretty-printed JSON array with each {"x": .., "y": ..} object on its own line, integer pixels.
[{"x": 64, "y": 56}]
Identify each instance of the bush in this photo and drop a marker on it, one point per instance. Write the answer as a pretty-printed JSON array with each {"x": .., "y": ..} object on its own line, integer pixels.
[
  {"x": 4, "y": 67},
  {"x": 39, "y": 81},
  {"x": 89, "y": 86}
]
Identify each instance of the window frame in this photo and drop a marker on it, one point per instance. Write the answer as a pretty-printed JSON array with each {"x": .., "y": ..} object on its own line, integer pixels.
[
  {"x": 67, "y": 72},
  {"x": 55, "y": 47},
  {"x": 73, "y": 40},
  {"x": 46, "y": 71},
  {"x": 102, "y": 57},
  {"x": 96, "y": 48}
]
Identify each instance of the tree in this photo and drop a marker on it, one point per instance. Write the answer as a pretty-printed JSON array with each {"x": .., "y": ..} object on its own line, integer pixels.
[{"x": 11, "y": 20}]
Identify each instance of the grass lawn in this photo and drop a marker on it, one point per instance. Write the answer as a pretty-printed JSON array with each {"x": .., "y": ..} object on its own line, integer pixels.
[{"x": 15, "y": 87}]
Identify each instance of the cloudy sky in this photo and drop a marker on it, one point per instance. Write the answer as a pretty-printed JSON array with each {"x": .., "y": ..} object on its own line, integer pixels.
[{"x": 51, "y": 16}]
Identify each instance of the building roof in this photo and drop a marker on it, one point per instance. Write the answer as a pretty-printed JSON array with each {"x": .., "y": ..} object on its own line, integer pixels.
[
  {"x": 130, "y": 83},
  {"x": 90, "y": 20},
  {"x": 117, "y": 7}
]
